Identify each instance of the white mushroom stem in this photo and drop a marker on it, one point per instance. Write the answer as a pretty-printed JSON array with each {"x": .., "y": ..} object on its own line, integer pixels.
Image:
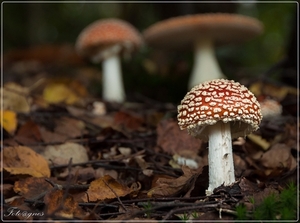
[
  {"x": 113, "y": 89},
  {"x": 220, "y": 158},
  {"x": 206, "y": 66}
]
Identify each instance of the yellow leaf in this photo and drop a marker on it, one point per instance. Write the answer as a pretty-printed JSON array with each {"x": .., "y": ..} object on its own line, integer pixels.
[
  {"x": 23, "y": 160},
  {"x": 9, "y": 121},
  {"x": 58, "y": 92}
]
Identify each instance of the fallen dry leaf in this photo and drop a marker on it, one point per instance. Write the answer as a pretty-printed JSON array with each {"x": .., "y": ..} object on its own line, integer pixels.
[
  {"x": 174, "y": 141},
  {"x": 58, "y": 93},
  {"x": 61, "y": 154},
  {"x": 279, "y": 92},
  {"x": 240, "y": 165},
  {"x": 127, "y": 121},
  {"x": 52, "y": 137},
  {"x": 32, "y": 187},
  {"x": 14, "y": 98},
  {"x": 70, "y": 127},
  {"x": 247, "y": 187},
  {"x": 59, "y": 204},
  {"x": 141, "y": 162},
  {"x": 9, "y": 121},
  {"x": 7, "y": 190},
  {"x": 23, "y": 160},
  {"x": 171, "y": 187},
  {"x": 272, "y": 160},
  {"x": 28, "y": 133},
  {"x": 106, "y": 188}
]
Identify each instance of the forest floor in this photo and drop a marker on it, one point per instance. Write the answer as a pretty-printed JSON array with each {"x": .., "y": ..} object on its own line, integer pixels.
[{"x": 67, "y": 155}]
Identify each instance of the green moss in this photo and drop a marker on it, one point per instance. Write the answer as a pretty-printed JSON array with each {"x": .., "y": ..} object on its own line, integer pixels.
[
  {"x": 241, "y": 212},
  {"x": 273, "y": 207}
]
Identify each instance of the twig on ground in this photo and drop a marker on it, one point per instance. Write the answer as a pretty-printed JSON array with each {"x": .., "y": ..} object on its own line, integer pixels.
[{"x": 121, "y": 203}]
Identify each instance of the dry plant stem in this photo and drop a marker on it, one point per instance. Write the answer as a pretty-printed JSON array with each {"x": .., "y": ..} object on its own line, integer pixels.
[
  {"x": 206, "y": 66},
  {"x": 113, "y": 89},
  {"x": 220, "y": 159}
]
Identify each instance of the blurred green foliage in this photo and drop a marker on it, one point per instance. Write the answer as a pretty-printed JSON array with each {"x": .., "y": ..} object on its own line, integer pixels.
[{"x": 27, "y": 24}]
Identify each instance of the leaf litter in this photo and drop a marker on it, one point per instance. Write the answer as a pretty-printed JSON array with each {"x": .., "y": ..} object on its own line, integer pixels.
[{"x": 69, "y": 155}]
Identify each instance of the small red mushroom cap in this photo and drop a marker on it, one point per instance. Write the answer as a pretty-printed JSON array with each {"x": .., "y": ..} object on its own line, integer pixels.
[
  {"x": 219, "y": 100},
  {"x": 106, "y": 33}
]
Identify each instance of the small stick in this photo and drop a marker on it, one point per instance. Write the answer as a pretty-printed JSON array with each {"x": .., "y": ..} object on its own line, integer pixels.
[{"x": 123, "y": 206}]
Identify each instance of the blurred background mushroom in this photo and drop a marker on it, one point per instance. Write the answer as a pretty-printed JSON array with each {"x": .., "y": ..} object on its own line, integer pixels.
[
  {"x": 28, "y": 25},
  {"x": 106, "y": 41},
  {"x": 202, "y": 32}
]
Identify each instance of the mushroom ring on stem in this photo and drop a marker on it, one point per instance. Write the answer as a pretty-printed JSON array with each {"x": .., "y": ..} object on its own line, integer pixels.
[
  {"x": 105, "y": 40},
  {"x": 202, "y": 32},
  {"x": 217, "y": 111}
]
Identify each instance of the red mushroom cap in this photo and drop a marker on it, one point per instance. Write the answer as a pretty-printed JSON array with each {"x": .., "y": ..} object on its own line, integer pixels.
[
  {"x": 219, "y": 100},
  {"x": 222, "y": 28},
  {"x": 105, "y": 33}
]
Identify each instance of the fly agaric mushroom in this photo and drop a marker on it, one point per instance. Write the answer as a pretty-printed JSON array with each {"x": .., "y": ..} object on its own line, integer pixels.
[
  {"x": 104, "y": 40},
  {"x": 202, "y": 32},
  {"x": 215, "y": 111},
  {"x": 270, "y": 108}
]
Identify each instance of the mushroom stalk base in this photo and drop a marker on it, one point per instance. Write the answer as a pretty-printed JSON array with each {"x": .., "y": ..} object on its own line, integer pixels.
[
  {"x": 113, "y": 89},
  {"x": 206, "y": 66},
  {"x": 220, "y": 158}
]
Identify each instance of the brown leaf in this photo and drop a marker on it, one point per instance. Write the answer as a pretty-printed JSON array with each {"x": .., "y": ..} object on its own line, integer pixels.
[
  {"x": 240, "y": 165},
  {"x": 29, "y": 133},
  {"x": 31, "y": 187},
  {"x": 23, "y": 160},
  {"x": 70, "y": 127},
  {"x": 106, "y": 188},
  {"x": 278, "y": 156},
  {"x": 60, "y": 205},
  {"x": 247, "y": 187},
  {"x": 7, "y": 190},
  {"x": 261, "y": 195},
  {"x": 128, "y": 121},
  {"x": 52, "y": 137},
  {"x": 171, "y": 187},
  {"x": 174, "y": 141}
]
